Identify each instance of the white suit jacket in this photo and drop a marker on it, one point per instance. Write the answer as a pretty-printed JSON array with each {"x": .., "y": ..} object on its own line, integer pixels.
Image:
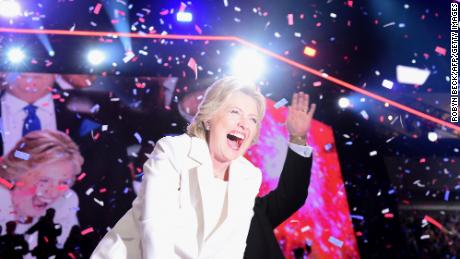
[{"x": 168, "y": 218}]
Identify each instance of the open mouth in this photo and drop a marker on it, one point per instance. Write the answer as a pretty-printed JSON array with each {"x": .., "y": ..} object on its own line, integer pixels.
[
  {"x": 40, "y": 203},
  {"x": 235, "y": 140}
]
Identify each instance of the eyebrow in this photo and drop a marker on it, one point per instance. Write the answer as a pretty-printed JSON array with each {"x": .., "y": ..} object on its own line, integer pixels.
[{"x": 251, "y": 114}]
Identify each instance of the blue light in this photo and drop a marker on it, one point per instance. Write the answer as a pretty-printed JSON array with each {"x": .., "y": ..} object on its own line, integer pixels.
[{"x": 184, "y": 17}]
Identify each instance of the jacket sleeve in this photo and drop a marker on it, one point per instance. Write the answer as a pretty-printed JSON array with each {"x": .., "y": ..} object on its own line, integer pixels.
[
  {"x": 291, "y": 192},
  {"x": 155, "y": 207}
]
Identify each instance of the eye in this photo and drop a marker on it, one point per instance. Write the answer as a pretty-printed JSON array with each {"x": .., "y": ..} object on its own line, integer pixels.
[
  {"x": 234, "y": 111},
  {"x": 43, "y": 180},
  {"x": 254, "y": 120}
]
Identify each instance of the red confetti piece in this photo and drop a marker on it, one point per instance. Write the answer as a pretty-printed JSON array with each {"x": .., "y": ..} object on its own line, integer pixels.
[
  {"x": 81, "y": 176},
  {"x": 102, "y": 190},
  {"x": 182, "y": 7},
  {"x": 97, "y": 8},
  {"x": 389, "y": 215},
  {"x": 434, "y": 222},
  {"x": 87, "y": 231},
  {"x": 164, "y": 12},
  {"x": 5, "y": 183},
  {"x": 440, "y": 50},
  {"x": 198, "y": 29},
  {"x": 194, "y": 66},
  {"x": 71, "y": 255},
  {"x": 350, "y": 3}
]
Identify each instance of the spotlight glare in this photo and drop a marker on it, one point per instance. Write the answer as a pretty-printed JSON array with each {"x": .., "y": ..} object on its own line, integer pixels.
[
  {"x": 432, "y": 136},
  {"x": 184, "y": 17},
  {"x": 248, "y": 65},
  {"x": 96, "y": 57},
  {"x": 344, "y": 102},
  {"x": 9, "y": 8},
  {"x": 16, "y": 55}
]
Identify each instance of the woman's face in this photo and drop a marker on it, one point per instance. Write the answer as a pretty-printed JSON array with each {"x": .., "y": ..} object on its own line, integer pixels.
[
  {"x": 39, "y": 188},
  {"x": 233, "y": 127}
]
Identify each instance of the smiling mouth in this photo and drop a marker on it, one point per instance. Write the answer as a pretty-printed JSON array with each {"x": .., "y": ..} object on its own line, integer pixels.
[
  {"x": 39, "y": 202},
  {"x": 235, "y": 141}
]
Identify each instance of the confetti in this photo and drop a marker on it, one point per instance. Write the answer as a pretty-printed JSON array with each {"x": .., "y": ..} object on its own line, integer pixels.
[
  {"x": 6, "y": 183},
  {"x": 311, "y": 52},
  {"x": 87, "y": 231},
  {"x": 138, "y": 137},
  {"x": 97, "y": 8},
  {"x": 21, "y": 155},
  {"x": 440, "y": 50},
  {"x": 280, "y": 103},
  {"x": 193, "y": 66},
  {"x": 335, "y": 241},
  {"x": 411, "y": 75},
  {"x": 290, "y": 18},
  {"x": 387, "y": 84}
]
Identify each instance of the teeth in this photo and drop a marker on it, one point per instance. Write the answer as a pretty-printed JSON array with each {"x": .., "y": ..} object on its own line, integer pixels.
[{"x": 239, "y": 135}]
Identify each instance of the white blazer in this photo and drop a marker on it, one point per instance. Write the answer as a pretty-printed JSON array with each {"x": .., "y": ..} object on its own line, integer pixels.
[{"x": 168, "y": 218}]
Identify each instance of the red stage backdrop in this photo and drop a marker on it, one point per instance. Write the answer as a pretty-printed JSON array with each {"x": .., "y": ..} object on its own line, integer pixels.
[{"x": 324, "y": 221}]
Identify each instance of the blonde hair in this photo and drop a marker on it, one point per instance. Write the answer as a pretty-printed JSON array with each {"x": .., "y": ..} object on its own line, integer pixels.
[
  {"x": 41, "y": 147},
  {"x": 215, "y": 96}
]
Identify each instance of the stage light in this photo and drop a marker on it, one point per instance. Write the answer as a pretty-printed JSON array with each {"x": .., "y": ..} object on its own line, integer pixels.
[
  {"x": 184, "y": 17},
  {"x": 96, "y": 57},
  {"x": 344, "y": 102},
  {"x": 16, "y": 55},
  {"x": 9, "y": 8},
  {"x": 248, "y": 65},
  {"x": 432, "y": 136}
]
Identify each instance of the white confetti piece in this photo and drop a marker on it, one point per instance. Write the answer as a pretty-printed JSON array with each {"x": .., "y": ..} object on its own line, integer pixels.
[
  {"x": 89, "y": 191},
  {"x": 21, "y": 155},
  {"x": 387, "y": 84},
  {"x": 335, "y": 241},
  {"x": 364, "y": 114},
  {"x": 373, "y": 153},
  {"x": 280, "y": 103},
  {"x": 101, "y": 203},
  {"x": 411, "y": 75},
  {"x": 129, "y": 55}
]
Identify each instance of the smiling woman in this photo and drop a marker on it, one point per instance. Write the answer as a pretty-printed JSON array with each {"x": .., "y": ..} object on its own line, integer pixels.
[
  {"x": 198, "y": 192},
  {"x": 42, "y": 167}
]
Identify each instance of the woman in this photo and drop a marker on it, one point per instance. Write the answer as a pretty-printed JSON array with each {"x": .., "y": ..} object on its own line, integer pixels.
[
  {"x": 40, "y": 170},
  {"x": 198, "y": 191}
]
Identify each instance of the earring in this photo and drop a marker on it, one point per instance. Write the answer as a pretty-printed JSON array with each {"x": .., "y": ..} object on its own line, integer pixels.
[{"x": 207, "y": 126}]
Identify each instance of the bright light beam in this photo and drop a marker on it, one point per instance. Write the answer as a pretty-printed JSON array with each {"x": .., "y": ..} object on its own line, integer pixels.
[
  {"x": 248, "y": 65},
  {"x": 16, "y": 55},
  {"x": 9, "y": 8},
  {"x": 248, "y": 44}
]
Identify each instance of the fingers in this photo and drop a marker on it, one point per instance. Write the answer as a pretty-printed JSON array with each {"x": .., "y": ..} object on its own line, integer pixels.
[
  {"x": 312, "y": 110},
  {"x": 300, "y": 102}
]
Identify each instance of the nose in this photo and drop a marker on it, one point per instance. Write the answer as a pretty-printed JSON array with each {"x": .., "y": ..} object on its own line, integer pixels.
[
  {"x": 242, "y": 123},
  {"x": 50, "y": 190}
]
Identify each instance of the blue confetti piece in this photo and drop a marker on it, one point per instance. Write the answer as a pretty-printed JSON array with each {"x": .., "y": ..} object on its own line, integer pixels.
[
  {"x": 328, "y": 147},
  {"x": 446, "y": 195},
  {"x": 335, "y": 241},
  {"x": 21, "y": 155},
  {"x": 357, "y": 217},
  {"x": 87, "y": 126},
  {"x": 138, "y": 137},
  {"x": 280, "y": 103}
]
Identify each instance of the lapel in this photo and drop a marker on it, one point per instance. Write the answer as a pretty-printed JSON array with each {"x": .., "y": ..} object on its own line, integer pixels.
[{"x": 240, "y": 191}]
